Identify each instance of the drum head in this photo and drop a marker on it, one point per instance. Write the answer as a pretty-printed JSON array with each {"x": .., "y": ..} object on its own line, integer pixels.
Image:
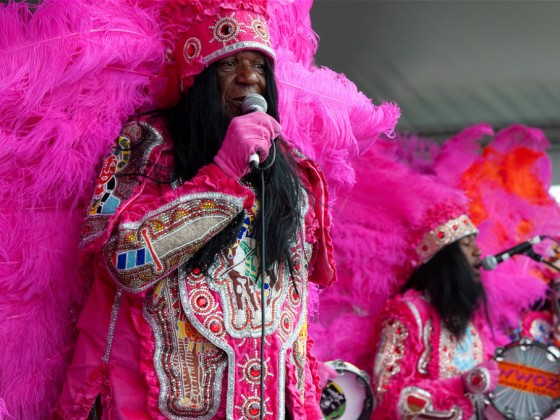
[
  {"x": 348, "y": 396},
  {"x": 529, "y": 382}
]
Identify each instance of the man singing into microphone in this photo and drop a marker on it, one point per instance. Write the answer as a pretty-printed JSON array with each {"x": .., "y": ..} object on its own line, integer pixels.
[
  {"x": 434, "y": 347},
  {"x": 173, "y": 323}
]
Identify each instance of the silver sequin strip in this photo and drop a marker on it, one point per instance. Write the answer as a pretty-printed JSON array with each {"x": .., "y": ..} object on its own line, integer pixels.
[
  {"x": 112, "y": 324},
  {"x": 247, "y": 45}
]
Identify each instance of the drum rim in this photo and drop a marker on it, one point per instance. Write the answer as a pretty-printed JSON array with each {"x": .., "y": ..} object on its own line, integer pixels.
[
  {"x": 527, "y": 342},
  {"x": 342, "y": 367}
]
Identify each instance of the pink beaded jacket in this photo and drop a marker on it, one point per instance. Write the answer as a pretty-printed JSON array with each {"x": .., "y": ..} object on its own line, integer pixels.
[
  {"x": 418, "y": 362},
  {"x": 156, "y": 341}
]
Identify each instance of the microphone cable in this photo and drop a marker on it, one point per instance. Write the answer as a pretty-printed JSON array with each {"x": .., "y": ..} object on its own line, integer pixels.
[{"x": 263, "y": 274}]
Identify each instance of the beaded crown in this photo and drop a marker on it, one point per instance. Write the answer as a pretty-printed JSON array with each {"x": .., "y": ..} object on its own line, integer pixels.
[
  {"x": 203, "y": 32},
  {"x": 443, "y": 235},
  {"x": 441, "y": 224}
]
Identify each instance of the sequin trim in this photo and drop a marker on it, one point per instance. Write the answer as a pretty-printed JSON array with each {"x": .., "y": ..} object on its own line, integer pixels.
[
  {"x": 112, "y": 324},
  {"x": 389, "y": 354},
  {"x": 244, "y": 45},
  {"x": 443, "y": 235},
  {"x": 129, "y": 156},
  {"x": 299, "y": 356},
  {"x": 167, "y": 237},
  {"x": 189, "y": 368},
  {"x": 424, "y": 332},
  {"x": 426, "y": 354}
]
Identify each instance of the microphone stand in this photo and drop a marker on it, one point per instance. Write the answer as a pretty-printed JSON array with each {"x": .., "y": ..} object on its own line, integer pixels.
[
  {"x": 554, "y": 291},
  {"x": 539, "y": 258},
  {"x": 263, "y": 275}
]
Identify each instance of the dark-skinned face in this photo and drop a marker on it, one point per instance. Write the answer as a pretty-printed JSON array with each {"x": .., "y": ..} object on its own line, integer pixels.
[
  {"x": 240, "y": 74},
  {"x": 472, "y": 253}
]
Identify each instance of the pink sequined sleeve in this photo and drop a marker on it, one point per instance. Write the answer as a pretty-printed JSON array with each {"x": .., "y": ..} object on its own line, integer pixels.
[{"x": 145, "y": 228}]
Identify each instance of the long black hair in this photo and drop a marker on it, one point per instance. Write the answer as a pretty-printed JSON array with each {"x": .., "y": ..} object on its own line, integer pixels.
[
  {"x": 448, "y": 281},
  {"x": 198, "y": 125}
]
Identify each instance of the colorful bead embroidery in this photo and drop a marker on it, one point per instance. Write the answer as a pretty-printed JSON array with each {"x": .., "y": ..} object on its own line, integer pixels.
[
  {"x": 161, "y": 240},
  {"x": 457, "y": 357},
  {"x": 189, "y": 367},
  {"x": 389, "y": 354},
  {"x": 115, "y": 183}
]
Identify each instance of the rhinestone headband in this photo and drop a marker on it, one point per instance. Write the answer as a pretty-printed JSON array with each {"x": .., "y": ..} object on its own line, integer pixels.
[{"x": 443, "y": 235}]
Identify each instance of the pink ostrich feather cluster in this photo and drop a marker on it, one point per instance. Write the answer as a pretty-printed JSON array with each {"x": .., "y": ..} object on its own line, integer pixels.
[
  {"x": 376, "y": 235},
  {"x": 70, "y": 74},
  {"x": 503, "y": 178},
  {"x": 322, "y": 112}
]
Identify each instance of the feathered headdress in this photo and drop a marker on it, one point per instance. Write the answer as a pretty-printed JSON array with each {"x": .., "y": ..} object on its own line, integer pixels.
[{"x": 199, "y": 33}]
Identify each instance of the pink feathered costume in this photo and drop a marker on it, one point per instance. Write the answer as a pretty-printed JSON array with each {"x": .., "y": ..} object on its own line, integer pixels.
[
  {"x": 157, "y": 341},
  {"x": 419, "y": 363}
]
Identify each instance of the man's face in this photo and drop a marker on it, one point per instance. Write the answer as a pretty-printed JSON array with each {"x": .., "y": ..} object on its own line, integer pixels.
[
  {"x": 239, "y": 75},
  {"x": 472, "y": 253}
]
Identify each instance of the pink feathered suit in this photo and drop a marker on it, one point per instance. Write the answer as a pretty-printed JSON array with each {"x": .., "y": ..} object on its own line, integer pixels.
[{"x": 159, "y": 340}]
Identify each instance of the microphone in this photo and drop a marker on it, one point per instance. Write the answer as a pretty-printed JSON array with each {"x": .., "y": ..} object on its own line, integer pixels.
[
  {"x": 490, "y": 262},
  {"x": 251, "y": 103}
]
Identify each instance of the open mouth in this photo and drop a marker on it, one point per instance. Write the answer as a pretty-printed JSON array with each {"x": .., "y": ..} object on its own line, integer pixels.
[{"x": 477, "y": 267}]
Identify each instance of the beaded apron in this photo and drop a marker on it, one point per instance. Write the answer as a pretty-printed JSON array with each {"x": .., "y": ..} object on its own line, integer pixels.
[{"x": 204, "y": 324}]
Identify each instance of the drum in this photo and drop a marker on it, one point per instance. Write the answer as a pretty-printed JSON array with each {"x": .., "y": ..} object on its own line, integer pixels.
[
  {"x": 529, "y": 382},
  {"x": 348, "y": 396}
]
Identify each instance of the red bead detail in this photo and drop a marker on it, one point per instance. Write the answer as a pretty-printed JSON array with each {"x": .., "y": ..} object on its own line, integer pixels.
[
  {"x": 297, "y": 266},
  {"x": 253, "y": 410},
  {"x": 254, "y": 372},
  {"x": 202, "y": 302},
  {"x": 455, "y": 227},
  {"x": 196, "y": 271},
  {"x": 476, "y": 380},
  {"x": 215, "y": 326},
  {"x": 441, "y": 234},
  {"x": 286, "y": 323},
  {"x": 416, "y": 402},
  {"x": 424, "y": 247}
]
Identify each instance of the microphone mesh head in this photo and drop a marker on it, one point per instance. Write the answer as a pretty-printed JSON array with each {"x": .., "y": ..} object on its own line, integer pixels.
[
  {"x": 489, "y": 263},
  {"x": 253, "y": 102}
]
